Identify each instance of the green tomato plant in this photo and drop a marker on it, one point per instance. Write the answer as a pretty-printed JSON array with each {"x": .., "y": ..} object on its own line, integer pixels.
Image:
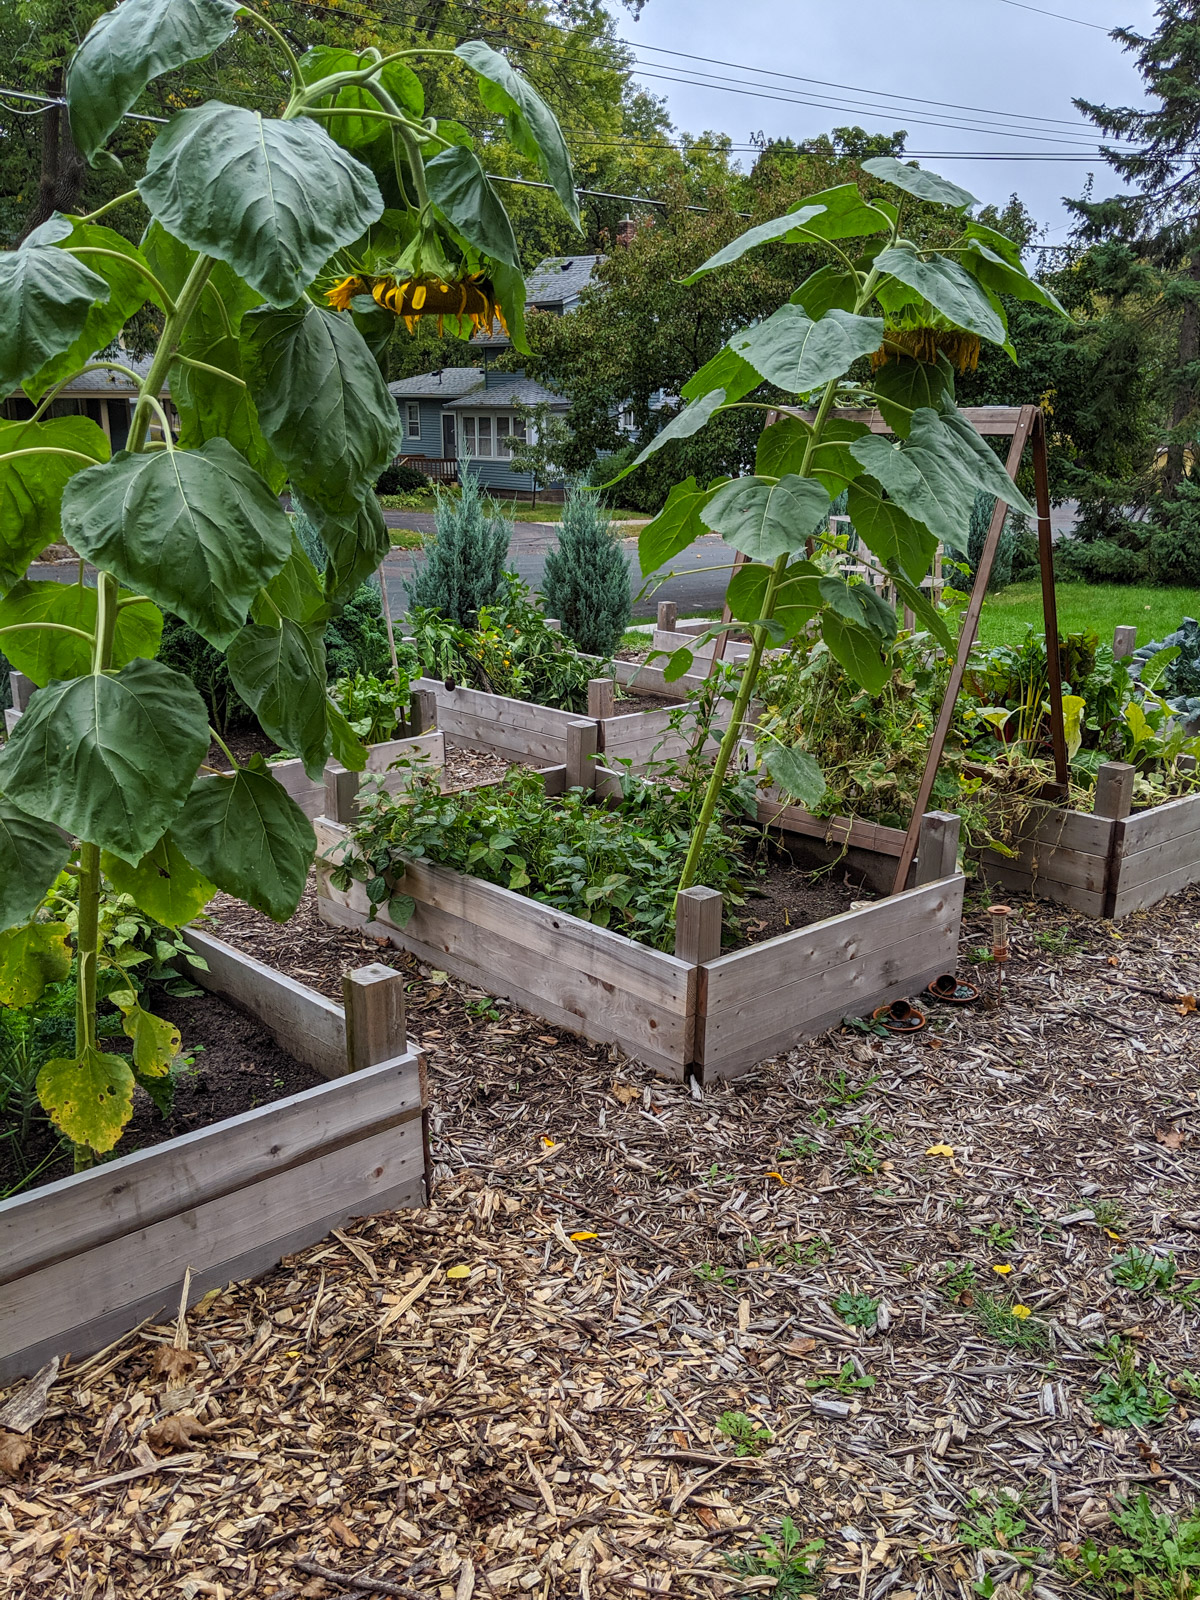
[
  {"x": 917, "y": 313},
  {"x": 252, "y": 222}
]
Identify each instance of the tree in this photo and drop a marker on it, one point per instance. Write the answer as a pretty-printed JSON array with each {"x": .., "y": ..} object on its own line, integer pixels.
[
  {"x": 1160, "y": 220},
  {"x": 464, "y": 560},
  {"x": 586, "y": 581},
  {"x": 543, "y": 447}
]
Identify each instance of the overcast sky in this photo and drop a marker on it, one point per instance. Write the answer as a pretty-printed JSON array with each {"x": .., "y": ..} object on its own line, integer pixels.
[{"x": 994, "y": 56}]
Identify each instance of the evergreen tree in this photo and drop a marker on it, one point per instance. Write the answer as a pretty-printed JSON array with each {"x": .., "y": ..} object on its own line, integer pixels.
[
  {"x": 464, "y": 559},
  {"x": 1160, "y": 220},
  {"x": 586, "y": 583}
]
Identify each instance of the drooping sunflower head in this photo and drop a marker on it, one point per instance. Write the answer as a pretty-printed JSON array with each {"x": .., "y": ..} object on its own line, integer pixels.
[
  {"x": 471, "y": 298},
  {"x": 345, "y": 290},
  {"x": 925, "y": 344}
]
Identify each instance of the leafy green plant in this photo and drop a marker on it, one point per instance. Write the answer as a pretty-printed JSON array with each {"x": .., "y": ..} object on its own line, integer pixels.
[
  {"x": 845, "y": 1381},
  {"x": 798, "y": 1148},
  {"x": 956, "y": 1280},
  {"x": 997, "y": 1235},
  {"x": 509, "y": 651},
  {"x": 749, "y": 1438},
  {"x": 856, "y": 1310},
  {"x": 711, "y": 1272},
  {"x": 615, "y": 866},
  {"x": 1158, "y": 1557},
  {"x": 1144, "y": 1272},
  {"x": 1129, "y": 1397},
  {"x": 863, "y": 1147},
  {"x": 1108, "y": 1214},
  {"x": 586, "y": 580},
  {"x": 917, "y": 313},
  {"x": 375, "y": 708},
  {"x": 267, "y": 261},
  {"x": 998, "y": 1525},
  {"x": 795, "y": 1566},
  {"x": 838, "y": 1090}
]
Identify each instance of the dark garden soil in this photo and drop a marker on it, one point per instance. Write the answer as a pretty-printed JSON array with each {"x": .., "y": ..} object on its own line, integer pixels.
[
  {"x": 642, "y": 702},
  {"x": 244, "y": 743},
  {"x": 227, "y": 1065},
  {"x": 787, "y": 897}
]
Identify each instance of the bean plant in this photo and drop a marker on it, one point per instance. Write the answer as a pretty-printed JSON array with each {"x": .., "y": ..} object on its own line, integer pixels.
[
  {"x": 886, "y": 327},
  {"x": 277, "y": 254}
]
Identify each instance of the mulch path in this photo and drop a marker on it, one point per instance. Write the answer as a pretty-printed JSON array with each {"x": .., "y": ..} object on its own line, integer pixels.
[{"x": 529, "y": 1389}]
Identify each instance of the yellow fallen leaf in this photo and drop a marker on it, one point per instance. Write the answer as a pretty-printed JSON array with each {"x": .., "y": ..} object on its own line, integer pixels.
[
  {"x": 576, "y": 1237},
  {"x": 548, "y": 1142},
  {"x": 1022, "y": 1312},
  {"x": 1187, "y": 1004},
  {"x": 1113, "y": 1235},
  {"x": 946, "y": 1150},
  {"x": 1001, "y": 1267},
  {"x": 781, "y": 1178},
  {"x": 439, "y": 977},
  {"x": 458, "y": 1272}
]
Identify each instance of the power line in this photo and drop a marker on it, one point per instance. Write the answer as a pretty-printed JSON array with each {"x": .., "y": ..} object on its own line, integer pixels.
[{"x": 1079, "y": 21}]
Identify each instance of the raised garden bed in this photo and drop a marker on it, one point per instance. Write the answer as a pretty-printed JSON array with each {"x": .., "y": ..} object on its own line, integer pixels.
[
  {"x": 1110, "y": 862},
  {"x": 539, "y": 735},
  {"x": 696, "y": 1011},
  {"x": 85, "y": 1259}
]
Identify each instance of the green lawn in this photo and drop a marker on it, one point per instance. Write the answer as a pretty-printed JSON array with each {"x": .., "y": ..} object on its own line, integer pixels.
[
  {"x": 1098, "y": 608},
  {"x": 518, "y": 510}
]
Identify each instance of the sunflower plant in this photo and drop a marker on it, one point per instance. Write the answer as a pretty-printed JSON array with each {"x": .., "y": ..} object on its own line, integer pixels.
[
  {"x": 254, "y": 226},
  {"x": 884, "y": 324}
]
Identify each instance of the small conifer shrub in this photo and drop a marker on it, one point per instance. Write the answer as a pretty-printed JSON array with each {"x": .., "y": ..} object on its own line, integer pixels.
[
  {"x": 464, "y": 559},
  {"x": 586, "y": 581}
]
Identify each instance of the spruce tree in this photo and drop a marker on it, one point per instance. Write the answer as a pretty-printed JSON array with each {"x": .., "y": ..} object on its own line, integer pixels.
[
  {"x": 1160, "y": 220},
  {"x": 464, "y": 559},
  {"x": 586, "y": 582}
]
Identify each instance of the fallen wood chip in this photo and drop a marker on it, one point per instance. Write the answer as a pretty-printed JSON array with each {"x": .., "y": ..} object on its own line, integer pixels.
[
  {"x": 28, "y": 1405},
  {"x": 354, "y": 1580}
]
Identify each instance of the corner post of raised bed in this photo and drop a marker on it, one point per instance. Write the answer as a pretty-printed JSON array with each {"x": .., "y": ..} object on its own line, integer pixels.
[
  {"x": 600, "y": 699},
  {"x": 1124, "y": 642},
  {"x": 21, "y": 687},
  {"x": 422, "y": 711},
  {"x": 553, "y": 623},
  {"x": 1114, "y": 790},
  {"x": 698, "y": 915},
  {"x": 582, "y": 748},
  {"x": 937, "y": 848},
  {"x": 341, "y": 794},
  {"x": 375, "y": 1023},
  {"x": 668, "y": 616}
]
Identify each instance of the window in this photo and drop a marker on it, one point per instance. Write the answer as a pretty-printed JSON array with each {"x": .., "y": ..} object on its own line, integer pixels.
[
  {"x": 484, "y": 434},
  {"x": 412, "y": 421}
]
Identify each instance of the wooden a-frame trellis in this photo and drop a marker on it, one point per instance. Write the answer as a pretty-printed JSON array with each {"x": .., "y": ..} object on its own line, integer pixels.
[{"x": 1022, "y": 426}]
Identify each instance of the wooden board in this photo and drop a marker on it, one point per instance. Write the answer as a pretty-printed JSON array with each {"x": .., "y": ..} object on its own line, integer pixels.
[
  {"x": 872, "y": 836},
  {"x": 302, "y": 1022},
  {"x": 1156, "y": 854},
  {"x": 588, "y": 979},
  {"x": 642, "y": 679},
  {"x": 90, "y": 1208},
  {"x": 80, "y": 1303},
  {"x": 309, "y": 794},
  {"x": 762, "y": 1000}
]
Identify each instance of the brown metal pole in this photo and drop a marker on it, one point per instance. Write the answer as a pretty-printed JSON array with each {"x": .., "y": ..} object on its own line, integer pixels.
[
  {"x": 966, "y": 640},
  {"x": 1041, "y": 473}
]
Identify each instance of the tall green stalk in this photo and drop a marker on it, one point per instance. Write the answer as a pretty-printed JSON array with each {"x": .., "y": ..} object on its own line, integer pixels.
[
  {"x": 741, "y": 702},
  {"x": 87, "y": 932}
]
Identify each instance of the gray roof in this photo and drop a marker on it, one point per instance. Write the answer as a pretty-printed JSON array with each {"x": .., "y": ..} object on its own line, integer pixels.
[
  {"x": 558, "y": 280},
  {"x": 443, "y": 385},
  {"x": 109, "y": 383},
  {"x": 500, "y": 396}
]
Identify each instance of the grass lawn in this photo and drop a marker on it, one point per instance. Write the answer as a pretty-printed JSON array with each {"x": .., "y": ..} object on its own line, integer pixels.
[
  {"x": 1098, "y": 608},
  {"x": 518, "y": 510},
  {"x": 406, "y": 538}
]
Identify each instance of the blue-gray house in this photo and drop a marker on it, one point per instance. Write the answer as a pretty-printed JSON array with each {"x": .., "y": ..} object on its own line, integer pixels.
[{"x": 468, "y": 413}]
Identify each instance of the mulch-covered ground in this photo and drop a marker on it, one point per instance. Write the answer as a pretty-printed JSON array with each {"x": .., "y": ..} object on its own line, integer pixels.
[{"x": 868, "y": 1286}]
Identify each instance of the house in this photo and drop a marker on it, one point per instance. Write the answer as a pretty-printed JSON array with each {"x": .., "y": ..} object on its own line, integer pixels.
[
  {"x": 463, "y": 413},
  {"x": 105, "y": 396}
]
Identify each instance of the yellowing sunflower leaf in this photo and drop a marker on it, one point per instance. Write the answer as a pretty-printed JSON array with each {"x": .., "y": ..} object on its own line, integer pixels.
[
  {"x": 458, "y": 1272},
  {"x": 946, "y": 1150}
]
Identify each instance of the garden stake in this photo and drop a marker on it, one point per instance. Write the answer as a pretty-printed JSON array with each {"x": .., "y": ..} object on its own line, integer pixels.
[{"x": 999, "y": 916}]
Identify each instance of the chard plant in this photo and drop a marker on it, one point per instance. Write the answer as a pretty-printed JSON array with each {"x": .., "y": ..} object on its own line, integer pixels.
[
  {"x": 886, "y": 328},
  {"x": 278, "y": 252}
]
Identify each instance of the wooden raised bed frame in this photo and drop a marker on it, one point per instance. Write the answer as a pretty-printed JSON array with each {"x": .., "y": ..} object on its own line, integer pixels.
[
  {"x": 696, "y": 1012},
  {"x": 86, "y": 1259}
]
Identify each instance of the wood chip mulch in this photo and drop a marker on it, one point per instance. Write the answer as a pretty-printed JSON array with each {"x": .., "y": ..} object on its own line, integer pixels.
[{"x": 617, "y": 1351}]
